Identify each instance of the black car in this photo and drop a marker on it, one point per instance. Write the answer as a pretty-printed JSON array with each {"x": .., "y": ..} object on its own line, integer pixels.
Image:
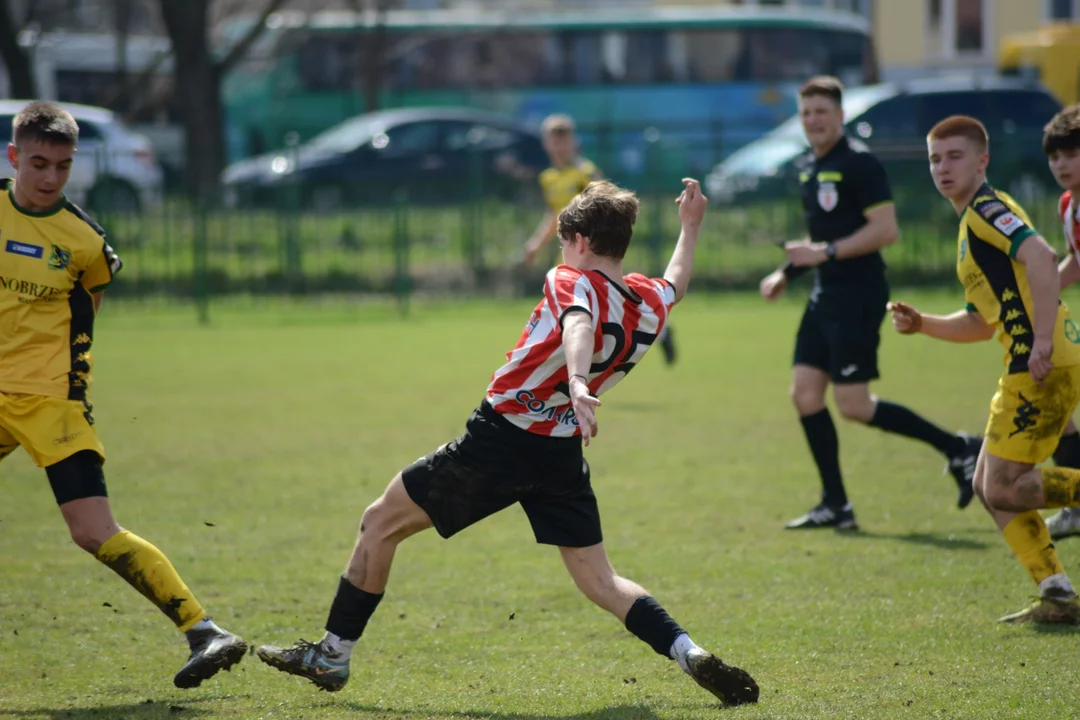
[
  {"x": 427, "y": 155},
  {"x": 893, "y": 119}
]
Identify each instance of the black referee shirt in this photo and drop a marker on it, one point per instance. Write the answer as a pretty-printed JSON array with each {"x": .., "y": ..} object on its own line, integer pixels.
[{"x": 838, "y": 190}]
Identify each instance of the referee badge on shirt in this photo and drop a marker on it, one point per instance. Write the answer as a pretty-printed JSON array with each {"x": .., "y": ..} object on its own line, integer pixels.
[{"x": 827, "y": 196}]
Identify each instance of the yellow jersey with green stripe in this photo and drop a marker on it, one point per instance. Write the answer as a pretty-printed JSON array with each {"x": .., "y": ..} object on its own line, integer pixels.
[
  {"x": 51, "y": 263},
  {"x": 992, "y": 229},
  {"x": 561, "y": 185}
]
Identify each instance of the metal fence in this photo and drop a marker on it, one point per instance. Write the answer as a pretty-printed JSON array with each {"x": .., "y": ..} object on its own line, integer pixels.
[{"x": 397, "y": 240}]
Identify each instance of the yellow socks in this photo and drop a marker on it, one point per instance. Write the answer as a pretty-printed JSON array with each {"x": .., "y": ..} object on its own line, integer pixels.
[
  {"x": 151, "y": 573},
  {"x": 1029, "y": 540},
  {"x": 1061, "y": 486}
]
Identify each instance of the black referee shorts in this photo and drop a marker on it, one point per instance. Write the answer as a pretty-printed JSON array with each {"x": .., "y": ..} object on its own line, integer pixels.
[
  {"x": 842, "y": 338},
  {"x": 496, "y": 464}
]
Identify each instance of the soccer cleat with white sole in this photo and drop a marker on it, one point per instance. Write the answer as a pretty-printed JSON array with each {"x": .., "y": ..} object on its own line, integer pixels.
[
  {"x": 962, "y": 468},
  {"x": 211, "y": 651},
  {"x": 1065, "y": 523},
  {"x": 308, "y": 660},
  {"x": 824, "y": 516}
]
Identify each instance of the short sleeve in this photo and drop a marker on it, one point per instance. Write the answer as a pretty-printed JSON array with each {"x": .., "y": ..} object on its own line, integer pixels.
[
  {"x": 995, "y": 223},
  {"x": 666, "y": 291},
  {"x": 102, "y": 268},
  {"x": 590, "y": 171},
  {"x": 871, "y": 183},
  {"x": 569, "y": 290}
]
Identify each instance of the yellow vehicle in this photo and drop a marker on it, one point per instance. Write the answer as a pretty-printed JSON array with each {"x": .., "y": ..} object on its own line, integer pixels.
[{"x": 1050, "y": 54}]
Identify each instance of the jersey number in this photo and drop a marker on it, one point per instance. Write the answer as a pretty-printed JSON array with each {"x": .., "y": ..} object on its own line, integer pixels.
[{"x": 616, "y": 332}]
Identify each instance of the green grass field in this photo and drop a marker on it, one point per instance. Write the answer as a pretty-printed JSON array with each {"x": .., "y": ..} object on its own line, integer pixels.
[{"x": 248, "y": 450}]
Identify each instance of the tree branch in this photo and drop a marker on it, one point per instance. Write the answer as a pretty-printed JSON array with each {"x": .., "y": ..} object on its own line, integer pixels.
[{"x": 237, "y": 52}]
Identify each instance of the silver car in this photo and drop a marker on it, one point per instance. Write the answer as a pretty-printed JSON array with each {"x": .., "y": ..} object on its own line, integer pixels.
[{"x": 116, "y": 168}]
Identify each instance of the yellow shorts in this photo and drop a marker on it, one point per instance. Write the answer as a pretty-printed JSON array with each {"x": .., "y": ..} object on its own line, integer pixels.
[
  {"x": 51, "y": 429},
  {"x": 1026, "y": 420}
]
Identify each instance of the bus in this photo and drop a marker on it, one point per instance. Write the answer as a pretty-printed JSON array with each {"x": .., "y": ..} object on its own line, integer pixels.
[
  {"x": 696, "y": 83},
  {"x": 1050, "y": 54}
]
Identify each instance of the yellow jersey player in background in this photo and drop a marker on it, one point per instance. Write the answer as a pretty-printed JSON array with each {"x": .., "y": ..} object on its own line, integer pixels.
[
  {"x": 54, "y": 266},
  {"x": 1010, "y": 279},
  {"x": 562, "y": 182}
]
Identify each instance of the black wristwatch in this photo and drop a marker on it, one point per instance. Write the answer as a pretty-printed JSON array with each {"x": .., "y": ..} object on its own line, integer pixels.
[{"x": 830, "y": 252}]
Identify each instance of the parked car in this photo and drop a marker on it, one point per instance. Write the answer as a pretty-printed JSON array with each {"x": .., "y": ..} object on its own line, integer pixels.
[
  {"x": 115, "y": 168},
  {"x": 893, "y": 119},
  {"x": 433, "y": 155}
]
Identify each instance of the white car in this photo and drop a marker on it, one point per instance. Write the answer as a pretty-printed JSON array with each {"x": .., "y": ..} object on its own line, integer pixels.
[{"x": 115, "y": 168}]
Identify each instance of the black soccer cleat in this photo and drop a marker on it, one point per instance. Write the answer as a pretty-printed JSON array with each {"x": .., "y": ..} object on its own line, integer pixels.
[
  {"x": 732, "y": 685},
  {"x": 824, "y": 516},
  {"x": 667, "y": 344},
  {"x": 211, "y": 651},
  {"x": 308, "y": 660},
  {"x": 962, "y": 468}
]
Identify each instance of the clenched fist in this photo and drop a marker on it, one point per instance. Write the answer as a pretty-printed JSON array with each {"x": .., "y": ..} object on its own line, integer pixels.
[{"x": 906, "y": 320}]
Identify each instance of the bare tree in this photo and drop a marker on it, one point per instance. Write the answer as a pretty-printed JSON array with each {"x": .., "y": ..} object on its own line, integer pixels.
[
  {"x": 198, "y": 77},
  {"x": 123, "y": 12},
  {"x": 15, "y": 56}
]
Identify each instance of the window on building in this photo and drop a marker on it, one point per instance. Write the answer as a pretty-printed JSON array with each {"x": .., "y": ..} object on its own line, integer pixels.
[
  {"x": 1061, "y": 9},
  {"x": 970, "y": 20}
]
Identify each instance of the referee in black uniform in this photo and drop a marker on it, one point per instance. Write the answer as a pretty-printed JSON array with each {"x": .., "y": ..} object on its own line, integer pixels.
[{"x": 849, "y": 216}]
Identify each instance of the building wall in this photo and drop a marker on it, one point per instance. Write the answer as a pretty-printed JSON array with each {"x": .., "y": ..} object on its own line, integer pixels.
[{"x": 912, "y": 39}]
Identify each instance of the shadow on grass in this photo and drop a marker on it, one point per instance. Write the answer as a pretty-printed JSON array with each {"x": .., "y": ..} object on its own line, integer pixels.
[
  {"x": 145, "y": 710},
  {"x": 619, "y": 712},
  {"x": 949, "y": 541}
]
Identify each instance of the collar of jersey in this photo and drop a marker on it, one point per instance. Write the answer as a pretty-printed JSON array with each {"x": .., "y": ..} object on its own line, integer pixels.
[
  {"x": 632, "y": 298},
  {"x": 44, "y": 213},
  {"x": 841, "y": 144}
]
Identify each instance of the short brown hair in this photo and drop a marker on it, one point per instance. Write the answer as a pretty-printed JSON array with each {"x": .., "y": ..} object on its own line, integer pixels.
[
  {"x": 961, "y": 126},
  {"x": 1063, "y": 131},
  {"x": 44, "y": 122},
  {"x": 557, "y": 124},
  {"x": 605, "y": 214},
  {"x": 823, "y": 86}
]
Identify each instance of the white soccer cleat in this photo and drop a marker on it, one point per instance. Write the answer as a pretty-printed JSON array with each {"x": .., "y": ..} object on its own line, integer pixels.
[{"x": 1065, "y": 524}]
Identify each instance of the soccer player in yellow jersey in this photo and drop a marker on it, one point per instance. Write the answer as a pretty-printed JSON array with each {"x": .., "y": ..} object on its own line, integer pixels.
[
  {"x": 568, "y": 175},
  {"x": 54, "y": 266},
  {"x": 1010, "y": 279}
]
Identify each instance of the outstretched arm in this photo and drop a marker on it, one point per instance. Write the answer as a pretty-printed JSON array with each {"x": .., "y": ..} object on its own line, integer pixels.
[
  {"x": 965, "y": 326},
  {"x": 692, "y": 204}
]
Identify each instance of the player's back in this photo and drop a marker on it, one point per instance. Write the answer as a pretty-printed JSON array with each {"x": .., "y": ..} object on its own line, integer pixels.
[
  {"x": 532, "y": 389},
  {"x": 992, "y": 230},
  {"x": 51, "y": 264}
]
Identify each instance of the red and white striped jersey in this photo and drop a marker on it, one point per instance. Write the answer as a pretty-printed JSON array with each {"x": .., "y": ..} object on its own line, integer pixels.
[
  {"x": 1068, "y": 210},
  {"x": 531, "y": 390}
]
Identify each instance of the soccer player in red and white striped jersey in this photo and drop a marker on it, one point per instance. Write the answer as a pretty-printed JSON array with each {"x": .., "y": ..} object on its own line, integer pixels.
[
  {"x": 523, "y": 444},
  {"x": 1061, "y": 144}
]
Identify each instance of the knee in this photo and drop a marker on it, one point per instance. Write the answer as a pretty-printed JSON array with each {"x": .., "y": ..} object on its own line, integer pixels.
[
  {"x": 807, "y": 399},
  {"x": 1000, "y": 492},
  {"x": 376, "y": 523},
  {"x": 856, "y": 409},
  {"x": 383, "y": 522},
  {"x": 83, "y": 535}
]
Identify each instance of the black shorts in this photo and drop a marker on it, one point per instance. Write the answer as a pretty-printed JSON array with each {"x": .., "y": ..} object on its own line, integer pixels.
[
  {"x": 496, "y": 464},
  {"x": 842, "y": 338}
]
